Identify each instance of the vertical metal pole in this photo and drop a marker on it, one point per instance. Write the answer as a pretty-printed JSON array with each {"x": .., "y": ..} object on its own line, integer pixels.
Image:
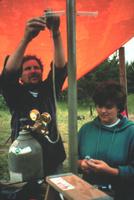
[
  {"x": 122, "y": 71},
  {"x": 72, "y": 83}
]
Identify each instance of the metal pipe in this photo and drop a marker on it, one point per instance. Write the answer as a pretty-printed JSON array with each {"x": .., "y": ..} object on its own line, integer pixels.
[
  {"x": 122, "y": 72},
  {"x": 72, "y": 83}
]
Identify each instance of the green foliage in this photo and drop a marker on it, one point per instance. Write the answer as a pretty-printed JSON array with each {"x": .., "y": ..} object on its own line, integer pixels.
[
  {"x": 4, "y": 135},
  {"x": 130, "y": 77},
  {"x": 3, "y": 105},
  {"x": 109, "y": 69},
  {"x": 4, "y": 126},
  {"x": 4, "y": 174},
  {"x": 130, "y": 102}
]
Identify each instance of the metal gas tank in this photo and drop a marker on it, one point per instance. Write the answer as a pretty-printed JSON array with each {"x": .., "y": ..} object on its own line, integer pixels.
[{"x": 25, "y": 158}]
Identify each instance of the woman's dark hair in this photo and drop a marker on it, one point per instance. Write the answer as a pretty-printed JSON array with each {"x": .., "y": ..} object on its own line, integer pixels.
[
  {"x": 31, "y": 57},
  {"x": 110, "y": 92}
]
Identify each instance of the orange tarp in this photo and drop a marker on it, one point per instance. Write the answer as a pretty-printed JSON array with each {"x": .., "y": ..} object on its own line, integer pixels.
[{"x": 97, "y": 37}]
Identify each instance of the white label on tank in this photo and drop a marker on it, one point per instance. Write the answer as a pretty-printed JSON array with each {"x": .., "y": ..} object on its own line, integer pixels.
[
  {"x": 16, "y": 142},
  {"x": 25, "y": 150},
  {"x": 18, "y": 150},
  {"x": 15, "y": 177}
]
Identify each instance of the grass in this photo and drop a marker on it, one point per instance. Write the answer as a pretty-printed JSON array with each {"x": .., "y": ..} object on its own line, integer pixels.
[
  {"x": 130, "y": 102},
  {"x": 83, "y": 113},
  {"x": 62, "y": 113},
  {"x": 4, "y": 126},
  {"x": 5, "y": 133}
]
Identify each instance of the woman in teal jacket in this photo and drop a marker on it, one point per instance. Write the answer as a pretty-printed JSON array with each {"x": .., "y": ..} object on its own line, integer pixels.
[{"x": 106, "y": 145}]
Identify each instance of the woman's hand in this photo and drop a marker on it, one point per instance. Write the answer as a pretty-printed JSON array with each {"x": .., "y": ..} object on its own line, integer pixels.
[
  {"x": 83, "y": 165},
  {"x": 101, "y": 166}
]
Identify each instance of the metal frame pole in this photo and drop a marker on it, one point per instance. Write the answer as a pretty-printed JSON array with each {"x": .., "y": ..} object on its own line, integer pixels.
[
  {"x": 72, "y": 84},
  {"x": 122, "y": 71}
]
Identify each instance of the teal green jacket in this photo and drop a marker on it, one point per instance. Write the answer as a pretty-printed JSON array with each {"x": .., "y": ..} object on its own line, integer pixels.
[{"x": 115, "y": 146}]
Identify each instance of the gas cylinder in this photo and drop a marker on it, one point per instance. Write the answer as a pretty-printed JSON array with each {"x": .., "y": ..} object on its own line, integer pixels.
[{"x": 25, "y": 158}]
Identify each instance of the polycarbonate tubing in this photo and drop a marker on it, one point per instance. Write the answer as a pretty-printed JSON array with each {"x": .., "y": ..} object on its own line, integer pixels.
[{"x": 78, "y": 13}]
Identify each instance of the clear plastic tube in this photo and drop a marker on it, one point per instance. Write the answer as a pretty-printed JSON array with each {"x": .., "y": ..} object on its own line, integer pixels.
[
  {"x": 78, "y": 13},
  {"x": 57, "y": 12},
  {"x": 87, "y": 13}
]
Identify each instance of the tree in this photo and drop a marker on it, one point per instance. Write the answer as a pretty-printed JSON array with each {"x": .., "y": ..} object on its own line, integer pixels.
[
  {"x": 130, "y": 77},
  {"x": 109, "y": 69}
]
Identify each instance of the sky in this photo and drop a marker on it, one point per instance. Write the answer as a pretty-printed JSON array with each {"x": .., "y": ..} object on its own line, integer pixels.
[{"x": 129, "y": 51}]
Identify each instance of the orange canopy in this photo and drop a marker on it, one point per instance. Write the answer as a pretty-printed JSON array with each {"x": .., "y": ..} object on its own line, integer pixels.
[{"x": 97, "y": 37}]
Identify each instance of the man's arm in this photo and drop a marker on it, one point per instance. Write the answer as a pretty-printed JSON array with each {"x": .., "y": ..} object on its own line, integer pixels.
[
  {"x": 58, "y": 51},
  {"x": 33, "y": 27},
  {"x": 53, "y": 24}
]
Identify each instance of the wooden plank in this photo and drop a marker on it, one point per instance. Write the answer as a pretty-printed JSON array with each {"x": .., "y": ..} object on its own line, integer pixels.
[{"x": 75, "y": 188}]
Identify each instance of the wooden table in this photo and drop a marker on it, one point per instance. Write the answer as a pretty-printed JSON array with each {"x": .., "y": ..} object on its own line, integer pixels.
[{"x": 72, "y": 187}]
